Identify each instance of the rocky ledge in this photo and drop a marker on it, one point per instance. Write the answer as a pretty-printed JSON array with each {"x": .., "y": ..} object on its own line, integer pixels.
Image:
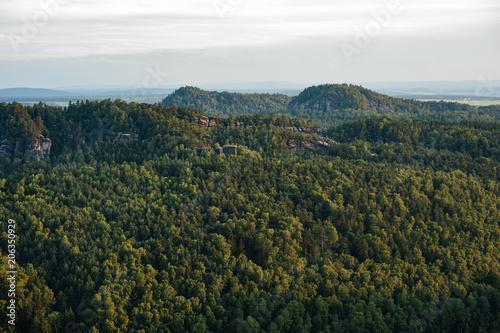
[{"x": 34, "y": 149}]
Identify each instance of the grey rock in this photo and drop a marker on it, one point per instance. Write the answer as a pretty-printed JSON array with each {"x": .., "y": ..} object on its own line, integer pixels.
[
  {"x": 230, "y": 150},
  {"x": 202, "y": 150},
  {"x": 127, "y": 136},
  {"x": 7, "y": 147},
  {"x": 38, "y": 149}
]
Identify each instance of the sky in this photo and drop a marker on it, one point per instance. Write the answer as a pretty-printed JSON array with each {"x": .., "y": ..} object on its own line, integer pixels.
[{"x": 154, "y": 43}]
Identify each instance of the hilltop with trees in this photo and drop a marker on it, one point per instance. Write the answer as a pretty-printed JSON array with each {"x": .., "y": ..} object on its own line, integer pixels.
[{"x": 329, "y": 104}]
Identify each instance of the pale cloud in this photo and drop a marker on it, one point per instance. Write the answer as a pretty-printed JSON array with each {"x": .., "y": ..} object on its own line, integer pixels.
[{"x": 280, "y": 28}]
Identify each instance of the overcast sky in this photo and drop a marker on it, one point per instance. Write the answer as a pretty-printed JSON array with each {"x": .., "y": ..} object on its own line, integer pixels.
[{"x": 57, "y": 43}]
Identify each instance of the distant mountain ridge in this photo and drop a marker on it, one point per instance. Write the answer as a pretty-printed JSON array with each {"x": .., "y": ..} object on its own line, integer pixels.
[
  {"x": 32, "y": 92},
  {"x": 42, "y": 92},
  {"x": 483, "y": 88},
  {"x": 326, "y": 104}
]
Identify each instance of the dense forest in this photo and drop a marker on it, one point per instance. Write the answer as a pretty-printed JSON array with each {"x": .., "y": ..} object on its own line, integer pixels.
[
  {"x": 329, "y": 104},
  {"x": 226, "y": 103},
  {"x": 393, "y": 226}
]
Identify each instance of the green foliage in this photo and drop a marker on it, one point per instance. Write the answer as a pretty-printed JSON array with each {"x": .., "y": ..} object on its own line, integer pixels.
[
  {"x": 329, "y": 104},
  {"x": 392, "y": 229},
  {"x": 18, "y": 121},
  {"x": 225, "y": 103},
  {"x": 332, "y": 104}
]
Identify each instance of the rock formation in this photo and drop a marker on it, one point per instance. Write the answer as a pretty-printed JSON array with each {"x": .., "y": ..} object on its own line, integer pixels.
[
  {"x": 206, "y": 121},
  {"x": 38, "y": 149},
  {"x": 230, "y": 150},
  {"x": 7, "y": 148},
  {"x": 307, "y": 146},
  {"x": 227, "y": 150},
  {"x": 202, "y": 150},
  {"x": 127, "y": 136},
  {"x": 35, "y": 149}
]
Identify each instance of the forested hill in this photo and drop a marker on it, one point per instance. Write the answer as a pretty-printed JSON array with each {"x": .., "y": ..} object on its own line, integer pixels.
[
  {"x": 332, "y": 104},
  {"x": 226, "y": 103},
  {"x": 328, "y": 104},
  {"x": 377, "y": 225}
]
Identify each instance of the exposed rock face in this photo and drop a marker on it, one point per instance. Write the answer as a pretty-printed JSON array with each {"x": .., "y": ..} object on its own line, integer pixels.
[
  {"x": 127, "y": 136},
  {"x": 235, "y": 124},
  {"x": 36, "y": 149},
  {"x": 19, "y": 149},
  {"x": 202, "y": 150},
  {"x": 322, "y": 143},
  {"x": 227, "y": 150},
  {"x": 230, "y": 150},
  {"x": 307, "y": 146},
  {"x": 210, "y": 122},
  {"x": 7, "y": 148},
  {"x": 203, "y": 121},
  {"x": 302, "y": 130},
  {"x": 206, "y": 121}
]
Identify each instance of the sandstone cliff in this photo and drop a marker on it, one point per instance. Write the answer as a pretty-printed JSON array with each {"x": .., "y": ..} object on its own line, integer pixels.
[{"x": 35, "y": 149}]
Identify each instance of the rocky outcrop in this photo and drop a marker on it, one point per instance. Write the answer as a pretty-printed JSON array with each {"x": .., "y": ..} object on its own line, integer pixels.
[
  {"x": 35, "y": 149},
  {"x": 212, "y": 122},
  {"x": 235, "y": 124},
  {"x": 227, "y": 150},
  {"x": 203, "y": 121},
  {"x": 322, "y": 144},
  {"x": 126, "y": 137},
  {"x": 19, "y": 149},
  {"x": 38, "y": 149},
  {"x": 7, "y": 148},
  {"x": 302, "y": 130},
  {"x": 230, "y": 150},
  {"x": 202, "y": 150},
  {"x": 206, "y": 121},
  {"x": 307, "y": 146}
]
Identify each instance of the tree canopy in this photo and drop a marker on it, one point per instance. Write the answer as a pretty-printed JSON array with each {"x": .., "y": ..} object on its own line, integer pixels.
[{"x": 392, "y": 227}]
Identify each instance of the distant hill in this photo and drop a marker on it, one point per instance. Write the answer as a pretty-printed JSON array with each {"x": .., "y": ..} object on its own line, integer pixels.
[
  {"x": 331, "y": 97},
  {"x": 326, "y": 104},
  {"x": 475, "y": 89},
  {"x": 30, "y": 96},
  {"x": 227, "y": 103},
  {"x": 32, "y": 92},
  {"x": 333, "y": 103}
]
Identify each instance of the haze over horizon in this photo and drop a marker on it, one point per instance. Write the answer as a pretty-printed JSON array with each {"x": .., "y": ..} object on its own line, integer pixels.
[{"x": 56, "y": 43}]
